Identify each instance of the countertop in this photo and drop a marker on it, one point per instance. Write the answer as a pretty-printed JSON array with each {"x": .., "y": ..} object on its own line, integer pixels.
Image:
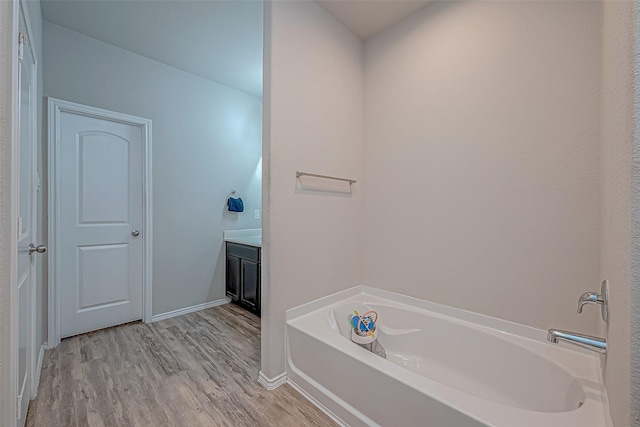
[
  {"x": 246, "y": 240},
  {"x": 251, "y": 236}
]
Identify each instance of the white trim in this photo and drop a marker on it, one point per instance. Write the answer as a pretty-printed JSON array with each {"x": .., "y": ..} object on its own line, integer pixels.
[
  {"x": 272, "y": 383},
  {"x": 15, "y": 205},
  {"x": 34, "y": 373},
  {"x": 267, "y": 325},
  {"x": 147, "y": 218},
  {"x": 317, "y": 404},
  {"x": 53, "y": 335},
  {"x": 192, "y": 309},
  {"x": 35, "y": 379},
  {"x": 55, "y": 107}
]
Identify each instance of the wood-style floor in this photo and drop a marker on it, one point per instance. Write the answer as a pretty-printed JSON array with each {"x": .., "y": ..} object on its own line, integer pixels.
[{"x": 199, "y": 369}]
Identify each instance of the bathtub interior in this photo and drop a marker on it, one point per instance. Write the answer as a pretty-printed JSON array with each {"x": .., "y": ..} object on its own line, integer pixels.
[{"x": 473, "y": 360}]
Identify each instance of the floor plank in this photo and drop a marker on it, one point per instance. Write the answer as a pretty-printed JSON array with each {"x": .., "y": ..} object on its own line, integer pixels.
[{"x": 199, "y": 369}]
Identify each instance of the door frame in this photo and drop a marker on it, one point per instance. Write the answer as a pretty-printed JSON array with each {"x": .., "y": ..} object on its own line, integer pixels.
[
  {"x": 10, "y": 212},
  {"x": 55, "y": 108},
  {"x": 34, "y": 349}
]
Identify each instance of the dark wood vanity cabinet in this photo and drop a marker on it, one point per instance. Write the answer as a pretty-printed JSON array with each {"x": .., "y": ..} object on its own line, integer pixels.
[
  {"x": 233, "y": 278},
  {"x": 250, "y": 273},
  {"x": 243, "y": 276}
]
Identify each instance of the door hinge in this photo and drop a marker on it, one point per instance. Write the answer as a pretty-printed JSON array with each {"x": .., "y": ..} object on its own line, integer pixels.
[{"x": 20, "y": 46}]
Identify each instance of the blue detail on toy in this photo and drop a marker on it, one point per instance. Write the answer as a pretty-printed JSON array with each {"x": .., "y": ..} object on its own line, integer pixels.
[{"x": 367, "y": 323}]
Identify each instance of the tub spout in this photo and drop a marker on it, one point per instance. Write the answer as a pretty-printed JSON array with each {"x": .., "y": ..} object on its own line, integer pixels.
[{"x": 586, "y": 341}]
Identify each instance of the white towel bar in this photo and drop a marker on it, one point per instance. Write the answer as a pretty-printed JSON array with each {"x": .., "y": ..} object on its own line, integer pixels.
[{"x": 350, "y": 181}]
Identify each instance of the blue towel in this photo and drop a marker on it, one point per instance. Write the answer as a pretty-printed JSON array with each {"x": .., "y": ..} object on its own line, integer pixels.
[{"x": 235, "y": 205}]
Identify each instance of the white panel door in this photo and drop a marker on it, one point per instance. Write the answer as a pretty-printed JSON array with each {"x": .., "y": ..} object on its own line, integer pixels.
[
  {"x": 26, "y": 222},
  {"x": 100, "y": 222}
]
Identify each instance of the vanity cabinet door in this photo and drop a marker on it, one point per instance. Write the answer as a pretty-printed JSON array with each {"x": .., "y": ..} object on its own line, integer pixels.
[
  {"x": 233, "y": 277},
  {"x": 250, "y": 284}
]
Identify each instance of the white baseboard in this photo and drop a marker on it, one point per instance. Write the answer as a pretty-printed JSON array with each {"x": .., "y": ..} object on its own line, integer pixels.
[
  {"x": 35, "y": 381},
  {"x": 192, "y": 309},
  {"x": 272, "y": 383},
  {"x": 317, "y": 404}
]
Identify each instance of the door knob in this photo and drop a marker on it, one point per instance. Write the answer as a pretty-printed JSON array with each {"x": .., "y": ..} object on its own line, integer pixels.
[
  {"x": 39, "y": 249},
  {"x": 135, "y": 233}
]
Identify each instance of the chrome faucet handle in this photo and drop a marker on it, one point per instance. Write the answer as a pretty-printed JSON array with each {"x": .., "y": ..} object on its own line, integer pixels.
[
  {"x": 589, "y": 298},
  {"x": 595, "y": 298}
]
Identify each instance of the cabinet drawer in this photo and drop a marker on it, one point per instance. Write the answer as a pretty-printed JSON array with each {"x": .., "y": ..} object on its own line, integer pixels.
[{"x": 243, "y": 251}]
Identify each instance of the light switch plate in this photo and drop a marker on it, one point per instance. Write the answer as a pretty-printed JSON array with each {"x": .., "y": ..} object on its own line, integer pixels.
[{"x": 256, "y": 214}]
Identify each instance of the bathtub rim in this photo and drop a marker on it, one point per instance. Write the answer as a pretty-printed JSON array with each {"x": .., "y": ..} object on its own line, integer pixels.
[{"x": 495, "y": 323}]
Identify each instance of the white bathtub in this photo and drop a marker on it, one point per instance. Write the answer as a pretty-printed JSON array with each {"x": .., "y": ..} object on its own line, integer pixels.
[{"x": 444, "y": 367}]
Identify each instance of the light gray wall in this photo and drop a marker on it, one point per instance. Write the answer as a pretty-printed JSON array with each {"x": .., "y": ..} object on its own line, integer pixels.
[
  {"x": 7, "y": 375},
  {"x": 206, "y": 141},
  {"x": 315, "y": 105},
  {"x": 482, "y": 159},
  {"x": 616, "y": 223},
  {"x": 634, "y": 338}
]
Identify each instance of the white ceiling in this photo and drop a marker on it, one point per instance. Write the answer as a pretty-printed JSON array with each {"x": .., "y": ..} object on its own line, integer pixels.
[
  {"x": 217, "y": 40},
  {"x": 368, "y": 17}
]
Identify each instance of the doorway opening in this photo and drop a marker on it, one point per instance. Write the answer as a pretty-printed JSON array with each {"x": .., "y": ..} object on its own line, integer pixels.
[{"x": 110, "y": 70}]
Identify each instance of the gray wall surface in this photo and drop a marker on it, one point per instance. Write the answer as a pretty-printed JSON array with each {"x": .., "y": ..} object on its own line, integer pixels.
[
  {"x": 617, "y": 189},
  {"x": 315, "y": 105},
  {"x": 635, "y": 195},
  {"x": 206, "y": 141},
  {"x": 7, "y": 375},
  {"x": 482, "y": 145}
]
